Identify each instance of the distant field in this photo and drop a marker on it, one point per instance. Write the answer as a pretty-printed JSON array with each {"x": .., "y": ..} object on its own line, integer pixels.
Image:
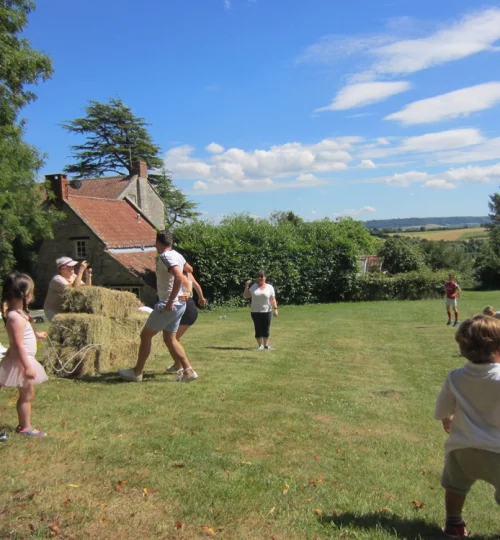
[{"x": 450, "y": 235}]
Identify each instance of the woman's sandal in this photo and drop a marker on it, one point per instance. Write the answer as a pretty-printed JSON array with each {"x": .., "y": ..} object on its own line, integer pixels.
[{"x": 31, "y": 432}]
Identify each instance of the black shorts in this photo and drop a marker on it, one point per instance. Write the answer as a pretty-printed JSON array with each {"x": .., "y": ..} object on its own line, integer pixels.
[{"x": 190, "y": 315}]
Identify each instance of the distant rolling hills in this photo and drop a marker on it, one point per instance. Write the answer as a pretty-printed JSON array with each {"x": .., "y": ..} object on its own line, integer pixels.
[{"x": 430, "y": 222}]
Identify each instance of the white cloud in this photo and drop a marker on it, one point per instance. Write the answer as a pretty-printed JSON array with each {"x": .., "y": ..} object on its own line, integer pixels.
[
  {"x": 367, "y": 164},
  {"x": 439, "y": 141},
  {"x": 439, "y": 184},
  {"x": 443, "y": 180},
  {"x": 383, "y": 141},
  {"x": 359, "y": 95},
  {"x": 355, "y": 212},
  {"x": 473, "y": 33},
  {"x": 200, "y": 186},
  {"x": 214, "y": 148},
  {"x": 236, "y": 168},
  {"x": 406, "y": 179},
  {"x": 487, "y": 151},
  {"x": 451, "y": 105},
  {"x": 306, "y": 178},
  {"x": 442, "y": 140}
]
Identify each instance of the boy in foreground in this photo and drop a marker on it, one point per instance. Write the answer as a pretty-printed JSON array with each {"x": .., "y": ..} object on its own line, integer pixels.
[{"x": 469, "y": 408}]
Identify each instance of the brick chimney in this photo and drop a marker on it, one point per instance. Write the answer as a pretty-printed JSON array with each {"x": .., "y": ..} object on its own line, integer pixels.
[
  {"x": 59, "y": 184},
  {"x": 140, "y": 168}
]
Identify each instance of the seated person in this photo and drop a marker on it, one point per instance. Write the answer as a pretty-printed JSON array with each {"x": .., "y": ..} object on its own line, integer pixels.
[{"x": 66, "y": 277}]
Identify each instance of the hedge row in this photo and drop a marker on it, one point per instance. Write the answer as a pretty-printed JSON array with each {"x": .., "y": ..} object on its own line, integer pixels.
[
  {"x": 408, "y": 286},
  {"x": 306, "y": 262}
]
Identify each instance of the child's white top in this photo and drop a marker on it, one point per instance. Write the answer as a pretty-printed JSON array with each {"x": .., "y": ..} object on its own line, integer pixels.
[
  {"x": 472, "y": 395},
  {"x": 261, "y": 302}
]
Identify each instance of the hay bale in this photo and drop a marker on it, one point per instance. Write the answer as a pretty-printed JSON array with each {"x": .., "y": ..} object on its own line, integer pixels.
[
  {"x": 116, "y": 340},
  {"x": 99, "y": 301}
]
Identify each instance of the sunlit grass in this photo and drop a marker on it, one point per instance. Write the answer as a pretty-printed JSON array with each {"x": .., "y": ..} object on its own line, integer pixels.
[{"x": 330, "y": 435}]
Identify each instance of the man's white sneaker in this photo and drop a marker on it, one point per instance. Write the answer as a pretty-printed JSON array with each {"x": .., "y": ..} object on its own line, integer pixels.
[
  {"x": 173, "y": 369},
  {"x": 261, "y": 348},
  {"x": 129, "y": 375},
  {"x": 180, "y": 373},
  {"x": 188, "y": 377}
]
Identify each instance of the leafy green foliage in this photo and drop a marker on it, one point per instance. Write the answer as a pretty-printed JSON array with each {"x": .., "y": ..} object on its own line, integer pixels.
[
  {"x": 22, "y": 220},
  {"x": 114, "y": 139},
  {"x": 487, "y": 265},
  {"x": 401, "y": 255},
  {"x": 307, "y": 262},
  {"x": 409, "y": 286}
]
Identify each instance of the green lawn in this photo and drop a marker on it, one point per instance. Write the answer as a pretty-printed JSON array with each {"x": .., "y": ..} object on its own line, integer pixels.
[{"x": 330, "y": 435}]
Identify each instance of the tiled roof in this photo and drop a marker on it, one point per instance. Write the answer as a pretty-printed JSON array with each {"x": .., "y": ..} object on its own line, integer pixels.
[
  {"x": 141, "y": 264},
  {"x": 115, "y": 222},
  {"x": 100, "y": 188}
]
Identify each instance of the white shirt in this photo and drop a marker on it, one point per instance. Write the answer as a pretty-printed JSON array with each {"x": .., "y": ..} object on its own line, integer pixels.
[
  {"x": 261, "y": 302},
  {"x": 164, "y": 279},
  {"x": 472, "y": 395}
]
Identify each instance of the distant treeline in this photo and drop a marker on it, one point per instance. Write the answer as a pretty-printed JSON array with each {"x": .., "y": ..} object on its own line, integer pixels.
[{"x": 457, "y": 221}]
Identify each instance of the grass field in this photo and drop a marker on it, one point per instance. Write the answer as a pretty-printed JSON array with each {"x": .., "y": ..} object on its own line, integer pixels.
[
  {"x": 449, "y": 235},
  {"x": 330, "y": 435}
]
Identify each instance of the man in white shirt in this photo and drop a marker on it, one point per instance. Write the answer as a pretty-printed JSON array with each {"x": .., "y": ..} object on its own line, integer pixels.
[
  {"x": 167, "y": 313},
  {"x": 469, "y": 408}
]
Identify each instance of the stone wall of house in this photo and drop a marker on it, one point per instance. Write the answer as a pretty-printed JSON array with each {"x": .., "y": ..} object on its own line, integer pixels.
[
  {"x": 106, "y": 271},
  {"x": 142, "y": 194}
]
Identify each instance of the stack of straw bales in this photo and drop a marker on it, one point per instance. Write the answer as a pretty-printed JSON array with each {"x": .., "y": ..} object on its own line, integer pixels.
[{"x": 102, "y": 317}]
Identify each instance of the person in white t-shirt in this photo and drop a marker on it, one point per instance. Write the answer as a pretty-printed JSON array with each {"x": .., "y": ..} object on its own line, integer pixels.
[
  {"x": 167, "y": 313},
  {"x": 469, "y": 408},
  {"x": 66, "y": 277},
  {"x": 262, "y": 307}
]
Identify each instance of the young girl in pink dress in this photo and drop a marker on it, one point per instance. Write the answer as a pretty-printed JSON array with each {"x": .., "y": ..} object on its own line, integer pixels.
[{"x": 19, "y": 368}]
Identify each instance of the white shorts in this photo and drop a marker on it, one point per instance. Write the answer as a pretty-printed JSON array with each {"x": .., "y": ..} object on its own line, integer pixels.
[{"x": 451, "y": 302}]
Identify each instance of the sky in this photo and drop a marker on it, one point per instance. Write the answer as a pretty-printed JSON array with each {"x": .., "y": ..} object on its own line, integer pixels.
[{"x": 374, "y": 109}]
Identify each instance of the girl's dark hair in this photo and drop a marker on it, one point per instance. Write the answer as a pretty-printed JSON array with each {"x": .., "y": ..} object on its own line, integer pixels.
[{"x": 16, "y": 286}]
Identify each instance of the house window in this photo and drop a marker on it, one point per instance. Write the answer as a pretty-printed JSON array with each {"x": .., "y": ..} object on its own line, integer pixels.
[
  {"x": 81, "y": 249},
  {"x": 133, "y": 290}
]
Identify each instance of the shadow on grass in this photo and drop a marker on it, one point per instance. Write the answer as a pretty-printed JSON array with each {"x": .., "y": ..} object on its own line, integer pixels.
[
  {"x": 114, "y": 378},
  {"x": 409, "y": 529},
  {"x": 232, "y": 348}
]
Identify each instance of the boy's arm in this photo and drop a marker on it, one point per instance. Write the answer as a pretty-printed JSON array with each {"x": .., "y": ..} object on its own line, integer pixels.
[{"x": 445, "y": 406}]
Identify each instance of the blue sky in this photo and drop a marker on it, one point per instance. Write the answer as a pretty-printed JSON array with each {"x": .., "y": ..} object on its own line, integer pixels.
[{"x": 370, "y": 108}]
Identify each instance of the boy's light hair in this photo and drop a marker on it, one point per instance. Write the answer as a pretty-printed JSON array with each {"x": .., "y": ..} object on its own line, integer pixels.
[
  {"x": 489, "y": 310},
  {"x": 479, "y": 339}
]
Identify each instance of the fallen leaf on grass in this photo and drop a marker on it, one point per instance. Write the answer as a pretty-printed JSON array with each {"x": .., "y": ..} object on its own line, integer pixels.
[
  {"x": 74, "y": 485},
  {"x": 319, "y": 512},
  {"x": 246, "y": 462},
  {"x": 272, "y": 510},
  {"x": 384, "y": 510},
  {"x": 67, "y": 501},
  {"x": 178, "y": 524},
  {"x": 313, "y": 483},
  {"x": 340, "y": 451},
  {"x": 102, "y": 520},
  {"x": 121, "y": 484},
  {"x": 317, "y": 458},
  {"x": 422, "y": 473},
  {"x": 417, "y": 505},
  {"x": 54, "y": 530},
  {"x": 280, "y": 433},
  {"x": 285, "y": 489},
  {"x": 388, "y": 496},
  {"x": 179, "y": 465},
  {"x": 64, "y": 424},
  {"x": 207, "y": 531}
]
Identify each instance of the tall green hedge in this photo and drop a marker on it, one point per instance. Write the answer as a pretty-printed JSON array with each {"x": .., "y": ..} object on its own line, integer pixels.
[
  {"x": 407, "y": 286},
  {"x": 306, "y": 262}
]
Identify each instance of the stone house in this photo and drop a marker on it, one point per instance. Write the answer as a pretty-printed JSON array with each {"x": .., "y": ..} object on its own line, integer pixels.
[{"x": 111, "y": 223}]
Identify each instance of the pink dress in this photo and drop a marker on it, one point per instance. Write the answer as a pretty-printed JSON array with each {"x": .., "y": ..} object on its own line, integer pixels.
[{"x": 11, "y": 368}]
